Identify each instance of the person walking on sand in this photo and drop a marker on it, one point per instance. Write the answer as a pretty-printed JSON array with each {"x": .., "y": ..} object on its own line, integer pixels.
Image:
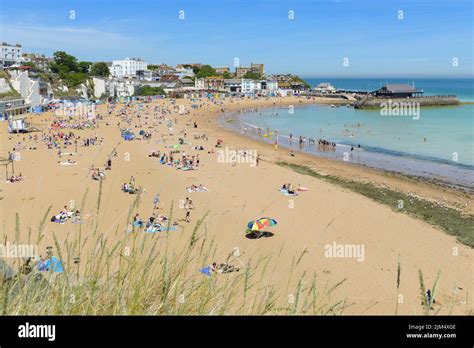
[
  {"x": 156, "y": 201},
  {"x": 188, "y": 216}
]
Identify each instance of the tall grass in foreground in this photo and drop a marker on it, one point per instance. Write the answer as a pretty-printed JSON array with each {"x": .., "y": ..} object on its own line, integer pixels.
[{"x": 142, "y": 274}]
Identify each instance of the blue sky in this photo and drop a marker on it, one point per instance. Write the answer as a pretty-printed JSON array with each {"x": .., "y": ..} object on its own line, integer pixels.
[{"x": 323, "y": 32}]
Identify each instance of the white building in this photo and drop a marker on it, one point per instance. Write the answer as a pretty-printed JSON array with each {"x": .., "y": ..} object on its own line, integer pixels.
[
  {"x": 271, "y": 85},
  {"x": 250, "y": 86},
  {"x": 10, "y": 54},
  {"x": 127, "y": 67},
  {"x": 233, "y": 85},
  {"x": 30, "y": 89},
  {"x": 200, "y": 83},
  {"x": 112, "y": 87},
  {"x": 325, "y": 88},
  {"x": 184, "y": 72}
]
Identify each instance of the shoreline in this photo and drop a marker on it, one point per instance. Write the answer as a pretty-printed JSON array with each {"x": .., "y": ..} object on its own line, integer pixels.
[
  {"x": 421, "y": 186},
  {"x": 372, "y": 155}
]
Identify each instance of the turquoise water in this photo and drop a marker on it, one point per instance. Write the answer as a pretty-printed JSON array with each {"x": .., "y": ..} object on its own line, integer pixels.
[
  {"x": 439, "y": 144},
  {"x": 443, "y": 134}
]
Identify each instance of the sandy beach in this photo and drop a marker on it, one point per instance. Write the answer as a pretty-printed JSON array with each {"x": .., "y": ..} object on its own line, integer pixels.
[{"x": 321, "y": 216}]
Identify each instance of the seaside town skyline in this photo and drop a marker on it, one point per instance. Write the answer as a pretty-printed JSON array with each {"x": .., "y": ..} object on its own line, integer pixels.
[{"x": 178, "y": 33}]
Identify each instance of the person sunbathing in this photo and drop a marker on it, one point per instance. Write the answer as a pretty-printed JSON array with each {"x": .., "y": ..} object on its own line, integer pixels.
[
  {"x": 162, "y": 218},
  {"x": 225, "y": 268}
]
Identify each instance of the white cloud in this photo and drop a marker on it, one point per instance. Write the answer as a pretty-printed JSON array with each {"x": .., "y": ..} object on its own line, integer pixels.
[{"x": 87, "y": 43}]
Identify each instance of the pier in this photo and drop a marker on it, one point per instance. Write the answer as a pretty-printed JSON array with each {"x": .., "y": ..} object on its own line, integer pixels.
[{"x": 437, "y": 100}]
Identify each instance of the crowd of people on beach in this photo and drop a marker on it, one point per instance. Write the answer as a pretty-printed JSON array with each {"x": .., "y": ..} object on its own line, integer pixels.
[
  {"x": 183, "y": 162},
  {"x": 79, "y": 123}
]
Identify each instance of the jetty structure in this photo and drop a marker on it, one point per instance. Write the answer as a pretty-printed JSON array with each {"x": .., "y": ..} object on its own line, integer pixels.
[{"x": 402, "y": 93}]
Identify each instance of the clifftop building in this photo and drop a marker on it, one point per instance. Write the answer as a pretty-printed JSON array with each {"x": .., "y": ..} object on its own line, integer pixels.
[
  {"x": 240, "y": 71},
  {"x": 127, "y": 67},
  {"x": 257, "y": 69},
  {"x": 10, "y": 54}
]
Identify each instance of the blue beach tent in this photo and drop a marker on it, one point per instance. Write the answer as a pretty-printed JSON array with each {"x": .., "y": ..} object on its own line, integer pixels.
[
  {"x": 53, "y": 264},
  {"x": 206, "y": 270}
]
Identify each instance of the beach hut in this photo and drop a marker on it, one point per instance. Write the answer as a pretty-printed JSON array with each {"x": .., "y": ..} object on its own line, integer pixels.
[{"x": 17, "y": 124}]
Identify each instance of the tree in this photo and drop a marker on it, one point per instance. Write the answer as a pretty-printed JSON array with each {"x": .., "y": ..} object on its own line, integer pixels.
[
  {"x": 53, "y": 67},
  {"x": 84, "y": 67},
  {"x": 300, "y": 80},
  {"x": 62, "y": 59},
  {"x": 148, "y": 90},
  {"x": 63, "y": 71},
  {"x": 226, "y": 75},
  {"x": 251, "y": 75},
  {"x": 205, "y": 71},
  {"x": 74, "y": 79},
  {"x": 99, "y": 69},
  {"x": 152, "y": 67}
]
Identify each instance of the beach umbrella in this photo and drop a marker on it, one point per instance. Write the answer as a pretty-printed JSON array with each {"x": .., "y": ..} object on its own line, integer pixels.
[
  {"x": 254, "y": 225},
  {"x": 267, "y": 221},
  {"x": 260, "y": 224}
]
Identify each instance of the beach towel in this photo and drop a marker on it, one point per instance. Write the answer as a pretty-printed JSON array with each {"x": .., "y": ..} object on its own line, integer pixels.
[
  {"x": 302, "y": 189},
  {"x": 286, "y": 193},
  {"x": 153, "y": 229},
  {"x": 138, "y": 224},
  {"x": 206, "y": 270},
  {"x": 67, "y": 164},
  {"x": 202, "y": 189}
]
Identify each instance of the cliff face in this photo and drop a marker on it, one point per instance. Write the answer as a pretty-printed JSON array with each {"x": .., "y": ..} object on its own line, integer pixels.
[
  {"x": 421, "y": 101},
  {"x": 6, "y": 89}
]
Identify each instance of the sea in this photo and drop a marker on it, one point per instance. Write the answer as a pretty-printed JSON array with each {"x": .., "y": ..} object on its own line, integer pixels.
[{"x": 436, "y": 144}]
